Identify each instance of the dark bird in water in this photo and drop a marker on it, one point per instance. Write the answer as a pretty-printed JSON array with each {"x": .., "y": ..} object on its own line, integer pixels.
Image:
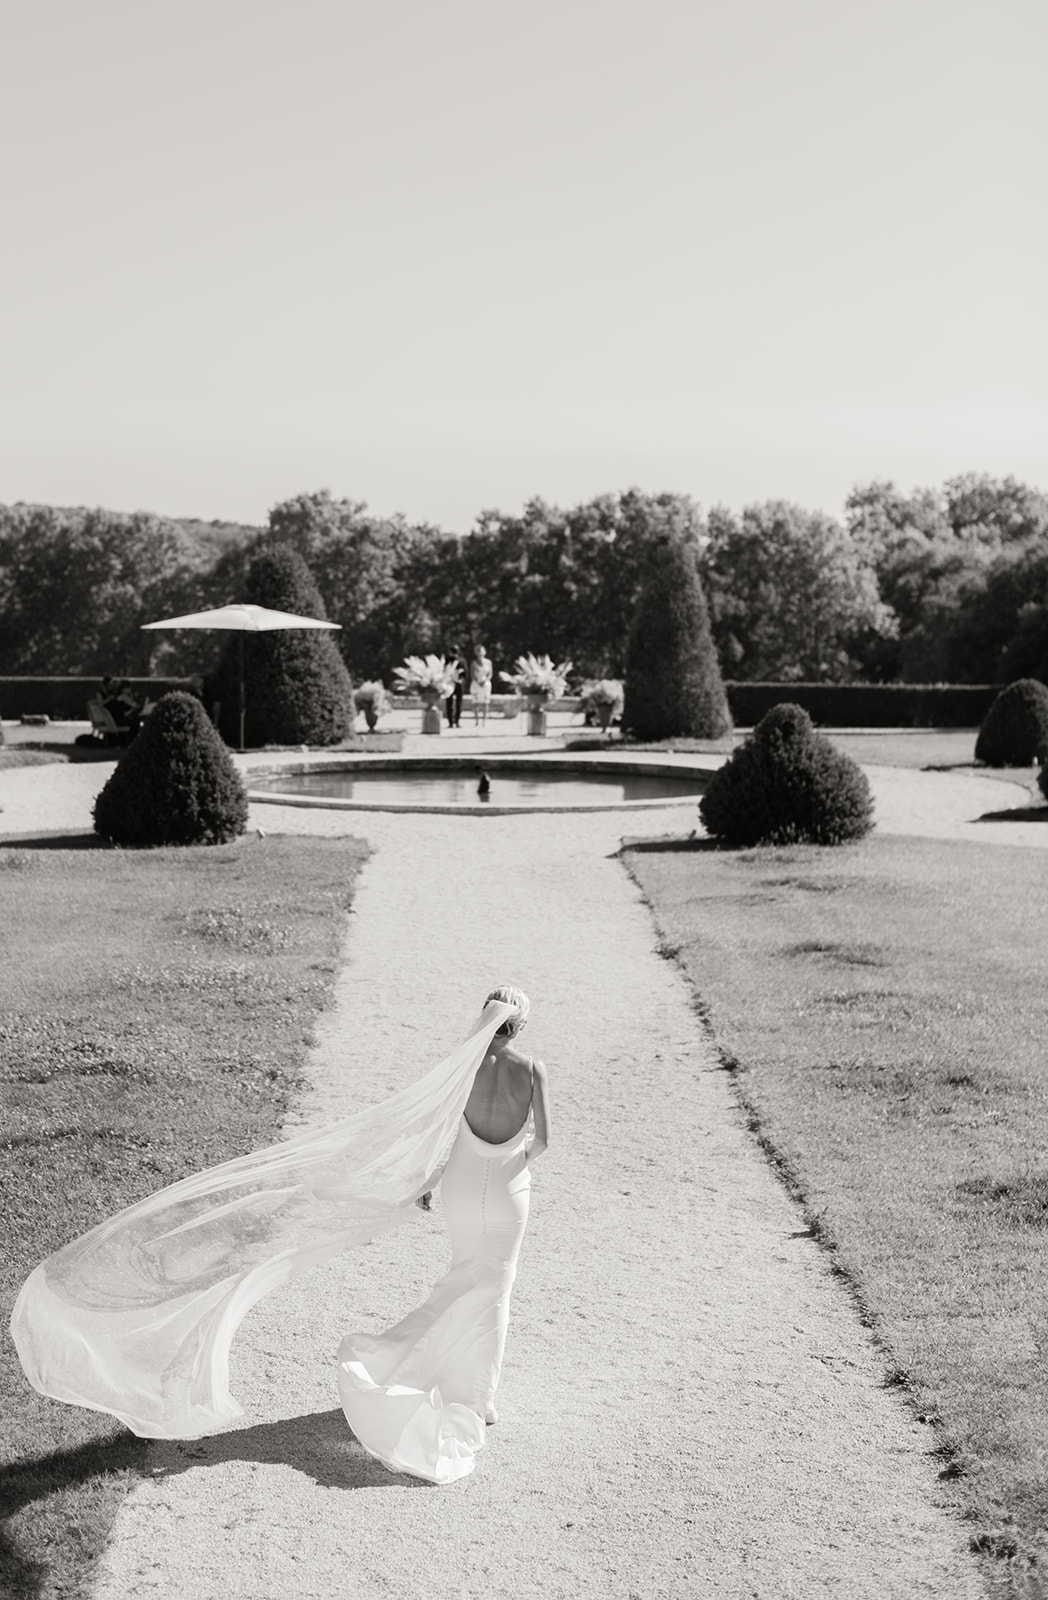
[{"x": 484, "y": 785}]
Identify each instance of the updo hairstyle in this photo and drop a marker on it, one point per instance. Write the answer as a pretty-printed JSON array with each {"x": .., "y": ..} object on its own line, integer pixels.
[{"x": 511, "y": 996}]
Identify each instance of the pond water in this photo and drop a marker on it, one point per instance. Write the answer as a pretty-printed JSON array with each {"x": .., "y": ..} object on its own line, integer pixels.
[{"x": 457, "y": 786}]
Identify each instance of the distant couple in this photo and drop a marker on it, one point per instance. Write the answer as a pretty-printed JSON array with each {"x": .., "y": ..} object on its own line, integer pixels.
[{"x": 480, "y": 675}]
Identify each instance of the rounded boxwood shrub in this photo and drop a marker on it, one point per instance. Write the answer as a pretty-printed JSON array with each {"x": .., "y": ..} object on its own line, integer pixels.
[
  {"x": 1016, "y": 726},
  {"x": 673, "y": 680},
  {"x": 175, "y": 784},
  {"x": 297, "y": 689},
  {"x": 787, "y": 785}
]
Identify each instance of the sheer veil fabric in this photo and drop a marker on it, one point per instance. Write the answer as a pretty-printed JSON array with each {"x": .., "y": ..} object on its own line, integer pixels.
[{"x": 137, "y": 1317}]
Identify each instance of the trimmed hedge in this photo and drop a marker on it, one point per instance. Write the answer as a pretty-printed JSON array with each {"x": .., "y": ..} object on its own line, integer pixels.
[
  {"x": 787, "y": 784},
  {"x": 1015, "y": 729},
  {"x": 867, "y": 705},
  {"x": 65, "y": 699},
  {"x": 175, "y": 784},
  {"x": 673, "y": 682},
  {"x": 297, "y": 688}
]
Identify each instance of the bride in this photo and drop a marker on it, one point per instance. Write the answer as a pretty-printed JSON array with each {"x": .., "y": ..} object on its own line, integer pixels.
[
  {"x": 415, "y": 1395},
  {"x": 137, "y": 1316}
]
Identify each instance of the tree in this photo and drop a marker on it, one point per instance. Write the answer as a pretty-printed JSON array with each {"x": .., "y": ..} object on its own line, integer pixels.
[
  {"x": 673, "y": 682},
  {"x": 561, "y": 581},
  {"x": 956, "y": 567},
  {"x": 791, "y": 594},
  {"x": 297, "y": 688},
  {"x": 367, "y": 567},
  {"x": 76, "y": 586},
  {"x": 997, "y": 511},
  {"x": 175, "y": 784}
]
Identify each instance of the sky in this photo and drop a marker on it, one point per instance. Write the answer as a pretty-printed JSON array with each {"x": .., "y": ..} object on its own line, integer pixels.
[{"x": 446, "y": 255}]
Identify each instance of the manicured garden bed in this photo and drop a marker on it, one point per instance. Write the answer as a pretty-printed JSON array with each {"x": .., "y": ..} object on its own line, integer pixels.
[{"x": 882, "y": 1009}]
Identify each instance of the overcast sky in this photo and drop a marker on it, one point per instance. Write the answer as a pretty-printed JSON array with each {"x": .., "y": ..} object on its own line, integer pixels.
[{"x": 440, "y": 255}]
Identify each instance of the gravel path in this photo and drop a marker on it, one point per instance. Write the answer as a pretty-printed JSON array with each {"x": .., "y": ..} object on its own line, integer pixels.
[{"x": 689, "y": 1407}]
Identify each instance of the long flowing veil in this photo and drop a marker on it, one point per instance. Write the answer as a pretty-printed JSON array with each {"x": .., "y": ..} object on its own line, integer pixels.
[{"x": 137, "y": 1316}]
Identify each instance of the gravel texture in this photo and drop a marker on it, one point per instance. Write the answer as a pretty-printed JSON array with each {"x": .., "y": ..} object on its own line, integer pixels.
[{"x": 689, "y": 1405}]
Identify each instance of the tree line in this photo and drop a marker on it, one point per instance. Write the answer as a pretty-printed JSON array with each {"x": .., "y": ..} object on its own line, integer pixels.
[{"x": 942, "y": 584}]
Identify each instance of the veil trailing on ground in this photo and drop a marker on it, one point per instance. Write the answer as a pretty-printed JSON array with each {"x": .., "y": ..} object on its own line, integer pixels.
[{"x": 137, "y": 1316}]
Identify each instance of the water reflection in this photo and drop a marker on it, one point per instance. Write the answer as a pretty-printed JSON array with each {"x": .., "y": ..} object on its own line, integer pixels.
[{"x": 468, "y": 783}]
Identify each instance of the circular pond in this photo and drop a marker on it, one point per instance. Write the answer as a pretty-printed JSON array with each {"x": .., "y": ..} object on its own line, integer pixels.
[{"x": 524, "y": 786}]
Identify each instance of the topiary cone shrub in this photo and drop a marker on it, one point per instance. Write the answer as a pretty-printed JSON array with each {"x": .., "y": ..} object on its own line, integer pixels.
[
  {"x": 787, "y": 785},
  {"x": 297, "y": 689},
  {"x": 175, "y": 784},
  {"x": 1016, "y": 726},
  {"x": 673, "y": 681}
]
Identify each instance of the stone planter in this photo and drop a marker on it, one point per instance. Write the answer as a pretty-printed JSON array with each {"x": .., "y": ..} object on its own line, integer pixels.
[
  {"x": 432, "y": 699},
  {"x": 536, "y": 707},
  {"x": 371, "y": 718}
]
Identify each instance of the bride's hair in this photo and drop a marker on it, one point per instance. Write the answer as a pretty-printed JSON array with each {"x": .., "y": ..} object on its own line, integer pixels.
[{"x": 512, "y": 997}]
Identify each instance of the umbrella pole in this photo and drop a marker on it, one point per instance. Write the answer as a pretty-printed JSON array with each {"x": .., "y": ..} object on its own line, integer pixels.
[{"x": 241, "y": 691}]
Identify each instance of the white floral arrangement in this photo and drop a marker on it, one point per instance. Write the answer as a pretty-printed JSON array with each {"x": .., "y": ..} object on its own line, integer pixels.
[
  {"x": 603, "y": 692},
  {"x": 430, "y": 672},
  {"x": 537, "y": 675},
  {"x": 373, "y": 694}
]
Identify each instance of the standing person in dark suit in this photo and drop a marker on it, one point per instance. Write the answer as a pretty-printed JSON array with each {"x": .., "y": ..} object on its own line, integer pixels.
[{"x": 453, "y": 703}]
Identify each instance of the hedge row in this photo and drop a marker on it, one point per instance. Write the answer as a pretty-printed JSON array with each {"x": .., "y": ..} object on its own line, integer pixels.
[
  {"x": 867, "y": 705},
  {"x": 65, "y": 699},
  {"x": 830, "y": 705}
]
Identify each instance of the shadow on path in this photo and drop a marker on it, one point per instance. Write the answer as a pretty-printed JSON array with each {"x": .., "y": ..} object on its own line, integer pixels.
[
  {"x": 320, "y": 1445},
  {"x": 1016, "y": 814},
  {"x": 665, "y": 843},
  {"x": 54, "y": 841}
]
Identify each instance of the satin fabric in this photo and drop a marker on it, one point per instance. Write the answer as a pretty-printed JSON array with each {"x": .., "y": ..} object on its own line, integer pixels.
[{"x": 416, "y": 1396}]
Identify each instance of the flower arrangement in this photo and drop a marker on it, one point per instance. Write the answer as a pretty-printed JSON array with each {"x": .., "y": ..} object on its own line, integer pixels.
[
  {"x": 602, "y": 699},
  {"x": 371, "y": 695},
  {"x": 431, "y": 673},
  {"x": 372, "y": 699},
  {"x": 537, "y": 675},
  {"x": 597, "y": 692}
]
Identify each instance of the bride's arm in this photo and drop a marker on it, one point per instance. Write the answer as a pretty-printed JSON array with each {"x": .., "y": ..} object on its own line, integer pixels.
[{"x": 540, "y": 1109}]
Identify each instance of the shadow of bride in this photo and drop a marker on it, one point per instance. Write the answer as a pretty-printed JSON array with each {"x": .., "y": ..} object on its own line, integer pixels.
[{"x": 321, "y": 1445}]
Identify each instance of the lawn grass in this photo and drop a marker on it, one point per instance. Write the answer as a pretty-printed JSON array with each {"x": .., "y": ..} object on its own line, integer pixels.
[
  {"x": 885, "y": 747},
  {"x": 21, "y": 757},
  {"x": 157, "y": 1010},
  {"x": 883, "y": 1010}
]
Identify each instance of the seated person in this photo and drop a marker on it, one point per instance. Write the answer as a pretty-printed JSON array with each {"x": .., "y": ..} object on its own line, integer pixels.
[{"x": 120, "y": 701}]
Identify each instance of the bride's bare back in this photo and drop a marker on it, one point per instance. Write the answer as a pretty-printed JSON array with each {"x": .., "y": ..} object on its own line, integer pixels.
[{"x": 508, "y": 1084}]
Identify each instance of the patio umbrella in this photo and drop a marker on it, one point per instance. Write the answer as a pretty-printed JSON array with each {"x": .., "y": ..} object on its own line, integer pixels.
[{"x": 237, "y": 618}]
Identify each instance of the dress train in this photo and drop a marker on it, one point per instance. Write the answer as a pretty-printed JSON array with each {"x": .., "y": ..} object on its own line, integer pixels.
[{"x": 417, "y": 1395}]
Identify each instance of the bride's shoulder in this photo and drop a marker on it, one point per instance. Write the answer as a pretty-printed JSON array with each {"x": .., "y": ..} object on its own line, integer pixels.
[{"x": 530, "y": 1064}]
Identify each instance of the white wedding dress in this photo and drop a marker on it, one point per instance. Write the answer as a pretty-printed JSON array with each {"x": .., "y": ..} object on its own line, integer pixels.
[
  {"x": 417, "y": 1396},
  {"x": 136, "y": 1317}
]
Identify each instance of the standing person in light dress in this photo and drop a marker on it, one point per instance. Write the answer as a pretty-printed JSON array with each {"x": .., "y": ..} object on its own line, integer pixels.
[
  {"x": 419, "y": 1395},
  {"x": 480, "y": 684}
]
